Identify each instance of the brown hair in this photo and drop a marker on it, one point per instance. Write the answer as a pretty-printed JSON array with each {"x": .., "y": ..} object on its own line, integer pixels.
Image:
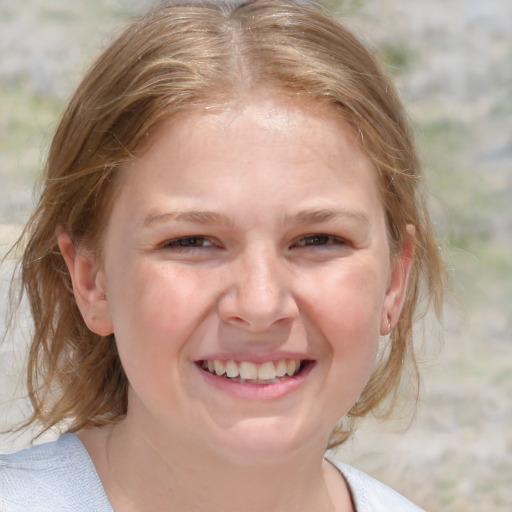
[{"x": 189, "y": 55}]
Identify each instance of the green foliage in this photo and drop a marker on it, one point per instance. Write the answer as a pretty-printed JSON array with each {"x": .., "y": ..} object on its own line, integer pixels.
[
  {"x": 397, "y": 56},
  {"x": 344, "y": 7},
  {"x": 450, "y": 182},
  {"x": 25, "y": 127}
]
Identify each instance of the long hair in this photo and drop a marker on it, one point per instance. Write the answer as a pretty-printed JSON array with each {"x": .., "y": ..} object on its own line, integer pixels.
[{"x": 188, "y": 56}]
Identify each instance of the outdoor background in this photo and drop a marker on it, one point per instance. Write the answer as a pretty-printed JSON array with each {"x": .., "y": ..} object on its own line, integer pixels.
[{"x": 452, "y": 61}]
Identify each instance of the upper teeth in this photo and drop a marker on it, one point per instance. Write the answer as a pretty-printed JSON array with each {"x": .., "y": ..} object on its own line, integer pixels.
[{"x": 247, "y": 370}]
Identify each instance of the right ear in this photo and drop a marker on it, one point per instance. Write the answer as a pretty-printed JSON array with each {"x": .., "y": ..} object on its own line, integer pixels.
[{"x": 88, "y": 286}]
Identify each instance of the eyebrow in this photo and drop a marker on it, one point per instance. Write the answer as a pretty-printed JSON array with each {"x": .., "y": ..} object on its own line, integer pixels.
[
  {"x": 327, "y": 214},
  {"x": 193, "y": 216},
  {"x": 206, "y": 217}
]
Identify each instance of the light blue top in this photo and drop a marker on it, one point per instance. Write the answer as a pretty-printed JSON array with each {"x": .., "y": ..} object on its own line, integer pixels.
[{"x": 60, "y": 476}]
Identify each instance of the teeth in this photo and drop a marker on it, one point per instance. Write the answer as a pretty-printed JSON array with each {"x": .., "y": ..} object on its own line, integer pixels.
[
  {"x": 281, "y": 368},
  {"x": 220, "y": 369},
  {"x": 232, "y": 369},
  {"x": 291, "y": 367},
  {"x": 267, "y": 371},
  {"x": 246, "y": 370}
]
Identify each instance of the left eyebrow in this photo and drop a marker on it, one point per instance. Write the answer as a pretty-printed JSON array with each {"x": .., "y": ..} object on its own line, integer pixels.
[
  {"x": 327, "y": 214},
  {"x": 192, "y": 216}
]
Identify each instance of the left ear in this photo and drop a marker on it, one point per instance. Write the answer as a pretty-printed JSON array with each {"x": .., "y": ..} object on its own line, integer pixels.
[{"x": 396, "y": 292}]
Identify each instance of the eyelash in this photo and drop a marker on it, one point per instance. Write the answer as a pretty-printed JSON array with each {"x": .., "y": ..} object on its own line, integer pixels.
[
  {"x": 197, "y": 242},
  {"x": 188, "y": 242},
  {"x": 319, "y": 240}
]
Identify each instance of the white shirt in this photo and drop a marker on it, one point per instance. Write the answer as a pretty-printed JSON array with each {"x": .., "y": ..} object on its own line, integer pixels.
[{"x": 60, "y": 476}]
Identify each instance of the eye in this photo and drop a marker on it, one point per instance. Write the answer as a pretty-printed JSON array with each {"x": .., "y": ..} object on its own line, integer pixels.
[
  {"x": 319, "y": 239},
  {"x": 188, "y": 242}
]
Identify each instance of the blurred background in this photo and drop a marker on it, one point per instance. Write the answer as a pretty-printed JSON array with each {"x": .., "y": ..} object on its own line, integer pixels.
[{"x": 452, "y": 63}]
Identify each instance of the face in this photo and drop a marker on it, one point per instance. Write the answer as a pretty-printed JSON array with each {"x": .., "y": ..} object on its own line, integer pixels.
[{"x": 247, "y": 276}]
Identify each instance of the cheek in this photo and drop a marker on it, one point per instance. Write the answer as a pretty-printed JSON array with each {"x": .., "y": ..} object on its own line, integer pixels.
[
  {"x": 350, "y": 298},
  {"x": 155, "y": 311},
  {"x": 346, "y": 308}
]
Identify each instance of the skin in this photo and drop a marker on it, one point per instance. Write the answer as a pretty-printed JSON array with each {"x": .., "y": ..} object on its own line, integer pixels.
[{"x": 290, "y": 260}]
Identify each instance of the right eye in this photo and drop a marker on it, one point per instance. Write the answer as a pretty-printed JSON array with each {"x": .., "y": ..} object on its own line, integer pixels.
[{"x": 188, "y": 242}]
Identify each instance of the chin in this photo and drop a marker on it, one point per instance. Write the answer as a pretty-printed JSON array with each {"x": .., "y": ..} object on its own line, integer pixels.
[{"x": 263, "y": 441}]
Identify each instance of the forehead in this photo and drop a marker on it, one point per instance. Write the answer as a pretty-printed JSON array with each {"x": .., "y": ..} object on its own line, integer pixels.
[
  {"x": 269, "y": 117},
  {"x": 263, "y": 144}
]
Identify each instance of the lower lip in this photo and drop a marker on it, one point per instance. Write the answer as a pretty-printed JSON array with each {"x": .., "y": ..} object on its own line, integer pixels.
[{"x": 246, "y": 391}]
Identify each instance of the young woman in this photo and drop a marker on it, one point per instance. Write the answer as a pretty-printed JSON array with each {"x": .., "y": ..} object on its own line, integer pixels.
[{"x": 223, "y": 269}]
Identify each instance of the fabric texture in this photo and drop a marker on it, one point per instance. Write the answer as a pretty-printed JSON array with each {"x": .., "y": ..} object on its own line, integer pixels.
[
  {"x": 51, "y": 477},
  {"x": 370, "y": 495},
  {"x": 60, "y": 476}
]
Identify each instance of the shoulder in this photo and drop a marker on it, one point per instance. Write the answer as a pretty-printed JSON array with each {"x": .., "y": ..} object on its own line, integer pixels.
[
  {"x": 51, "y": 476},
  {"x": 370, "y": 495}
]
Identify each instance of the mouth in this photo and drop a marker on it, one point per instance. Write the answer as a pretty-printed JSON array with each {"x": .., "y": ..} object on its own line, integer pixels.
[{"x": 248, "y": 372}]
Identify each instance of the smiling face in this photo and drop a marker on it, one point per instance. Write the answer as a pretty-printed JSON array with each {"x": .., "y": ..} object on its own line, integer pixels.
[{"x": 247, "y": 276}]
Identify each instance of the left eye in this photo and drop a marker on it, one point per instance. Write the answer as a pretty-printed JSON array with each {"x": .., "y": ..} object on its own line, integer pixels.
[
  {"x": 318, "y": 239},
  {"x": 188, "y": 242}
]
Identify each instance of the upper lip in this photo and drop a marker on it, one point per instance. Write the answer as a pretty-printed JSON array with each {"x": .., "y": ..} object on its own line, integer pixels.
[{"x": 253, "y": 358}]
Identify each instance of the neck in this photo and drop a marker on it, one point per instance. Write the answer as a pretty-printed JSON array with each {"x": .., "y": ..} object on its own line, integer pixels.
[{"x": 140, "y": 472}]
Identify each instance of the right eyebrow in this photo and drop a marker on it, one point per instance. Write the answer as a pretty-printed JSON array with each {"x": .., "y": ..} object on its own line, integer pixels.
[{"x": 204, "y": 217}]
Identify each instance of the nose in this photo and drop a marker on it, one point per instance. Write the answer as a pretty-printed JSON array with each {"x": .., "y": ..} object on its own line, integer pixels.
[{"x": 259, "y": 295}]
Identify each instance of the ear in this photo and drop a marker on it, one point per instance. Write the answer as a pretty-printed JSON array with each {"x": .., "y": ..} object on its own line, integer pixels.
[
  {"x": 396, "y": 292},
  {"x": 88, "y": 286}
]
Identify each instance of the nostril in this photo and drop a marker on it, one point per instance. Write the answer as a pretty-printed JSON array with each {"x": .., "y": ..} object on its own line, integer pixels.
[
  {"x": 255, "y": 314},
  {"x": 259, "y": 294}
]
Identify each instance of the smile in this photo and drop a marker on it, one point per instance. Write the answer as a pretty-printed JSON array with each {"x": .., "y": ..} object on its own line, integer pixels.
[{"x": 269, "y": 372}]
